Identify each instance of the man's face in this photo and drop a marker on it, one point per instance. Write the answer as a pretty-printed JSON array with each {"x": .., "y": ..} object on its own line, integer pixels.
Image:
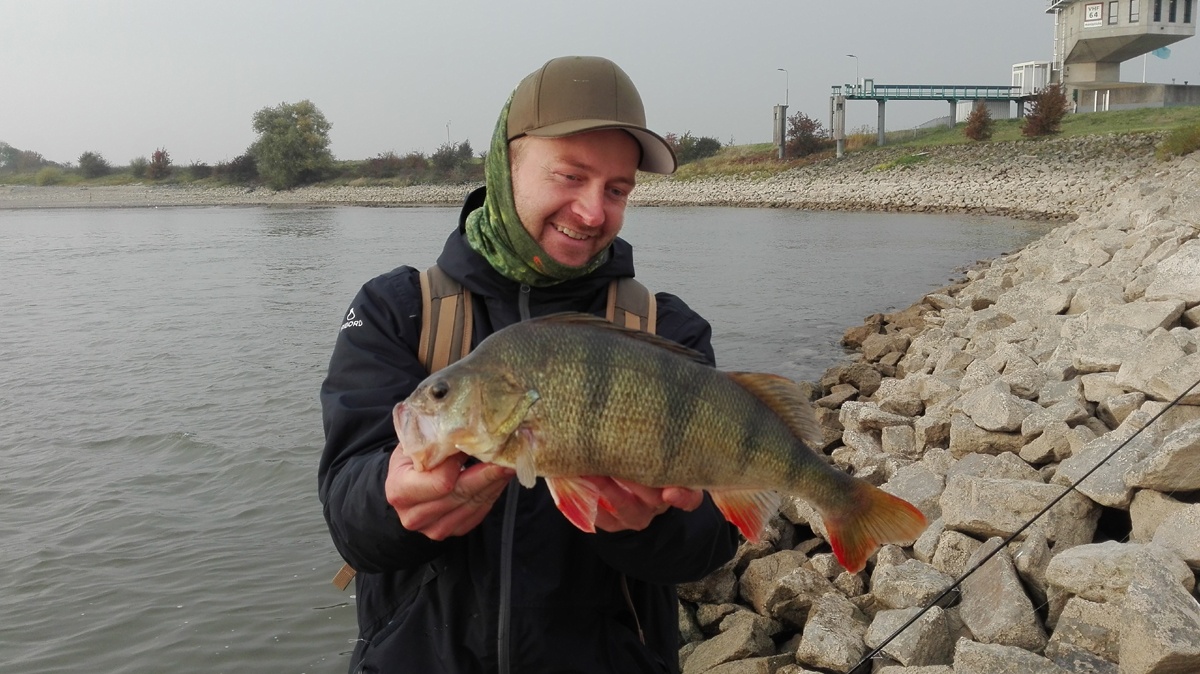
[{"x": 571, "y": 192}]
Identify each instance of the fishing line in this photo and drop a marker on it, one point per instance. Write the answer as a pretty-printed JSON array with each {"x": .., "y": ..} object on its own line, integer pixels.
[{"x": 875, "y": 652}]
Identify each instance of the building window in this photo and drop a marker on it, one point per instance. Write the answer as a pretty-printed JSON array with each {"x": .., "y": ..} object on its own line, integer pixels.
[
  {"x": 1171, "y": 11},
  {"x": 1134, "y": 14},
  {"x": 1157, "y": 10},
  {"x": 1187, "y": 11},
  {"x": 1112, "y": 13}
]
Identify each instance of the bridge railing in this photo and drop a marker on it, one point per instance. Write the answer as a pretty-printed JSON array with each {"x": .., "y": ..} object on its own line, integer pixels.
[{"x": 928, "y": 91}]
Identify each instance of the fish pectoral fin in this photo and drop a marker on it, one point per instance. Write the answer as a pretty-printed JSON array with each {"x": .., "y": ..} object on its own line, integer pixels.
[
  {"x": 523, "y": 445},
  {"x": 577, "y": 499},
  {"x": 787, "y": 400},
  {"x": 748, "y": 509}
]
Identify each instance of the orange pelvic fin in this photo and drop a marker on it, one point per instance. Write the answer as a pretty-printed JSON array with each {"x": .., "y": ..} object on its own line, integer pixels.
[
  {"x": 876, "y": 518},
  {"x": 578, "y": 499},
  {"x": 748, "y": 509}
]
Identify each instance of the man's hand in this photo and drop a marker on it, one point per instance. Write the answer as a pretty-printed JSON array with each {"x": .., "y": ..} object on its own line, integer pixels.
[
  {"x": 446, "y": 500},
  {"x": 633, "y": 506}
]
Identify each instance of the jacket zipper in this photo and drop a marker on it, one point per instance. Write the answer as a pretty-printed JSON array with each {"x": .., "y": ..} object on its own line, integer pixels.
[{"x": 504, "y": 628}]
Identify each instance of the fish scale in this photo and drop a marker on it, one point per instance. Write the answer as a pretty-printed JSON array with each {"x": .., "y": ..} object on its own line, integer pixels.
[{"x": 568, "y": 396}]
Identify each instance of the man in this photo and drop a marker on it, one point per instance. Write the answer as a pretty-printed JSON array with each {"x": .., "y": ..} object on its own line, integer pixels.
[{"x": 459, "y": 568}]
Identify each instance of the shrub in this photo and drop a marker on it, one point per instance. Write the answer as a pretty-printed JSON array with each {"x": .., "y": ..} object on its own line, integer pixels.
[
  {"x": 93, "y": 165},
  {"x": 804, "y": 136},
  {"x": 49, "y": 176},
  {"x": 137, "y": 167},
  {"x": 199, "y": 170},
  {"x": 243, "y": 170},
  {"x": 689, "y": 148},
  {"x": 979, "y": 123},
  {"x": 1046, "y": 115},
  {"x": 293, "y": 144},
  {"x": 1181, "y": 141},
  {"x": 389, "y": 165},
  {"x": 160, "y": 165}
]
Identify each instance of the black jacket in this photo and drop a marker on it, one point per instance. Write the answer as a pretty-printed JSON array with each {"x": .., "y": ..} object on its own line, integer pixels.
[{"x": 426, "y": 606}]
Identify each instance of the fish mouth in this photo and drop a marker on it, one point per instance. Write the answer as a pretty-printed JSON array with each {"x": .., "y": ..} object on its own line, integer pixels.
[{"x": 418, "y": 435}]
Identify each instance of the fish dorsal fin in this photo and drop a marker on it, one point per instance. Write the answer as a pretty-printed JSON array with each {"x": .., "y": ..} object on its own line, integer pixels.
[
  {"x": 785, "y": 399},
  {"x": 597, "y": 323}
]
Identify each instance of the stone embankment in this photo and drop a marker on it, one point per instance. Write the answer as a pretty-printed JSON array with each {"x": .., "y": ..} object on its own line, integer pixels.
[
  {"x": 1052, "y": 179},
  {"x": 982, "y": 404}
]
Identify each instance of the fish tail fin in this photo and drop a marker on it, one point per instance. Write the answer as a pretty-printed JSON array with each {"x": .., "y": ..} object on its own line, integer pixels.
[{"x": 876, "y": 518}]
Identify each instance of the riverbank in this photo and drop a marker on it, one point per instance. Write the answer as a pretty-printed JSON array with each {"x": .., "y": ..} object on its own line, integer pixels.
[
  {"x": 1053, "y": 179},
  {"x": 1039, "y": 390}
]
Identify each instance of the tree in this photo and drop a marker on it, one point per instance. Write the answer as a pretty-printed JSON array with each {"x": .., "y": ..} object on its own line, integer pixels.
[
  {"x": 804, "y": 136},
  {"x": 293, "y": 144},
  {"x": 160, "y": 165},
  {"x": 93, "y": 165},
  {"x": 979, "y": 123},
  {"x": 1046, "y": 115}
]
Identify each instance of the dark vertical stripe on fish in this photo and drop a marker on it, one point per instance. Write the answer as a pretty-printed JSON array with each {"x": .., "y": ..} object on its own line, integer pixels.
[
  {"x": 599, "y": 373},
  {"x": 681, "y": 406}
]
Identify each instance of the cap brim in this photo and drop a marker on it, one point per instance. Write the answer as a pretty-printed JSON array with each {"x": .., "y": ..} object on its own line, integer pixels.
[{"x": 657, "y": 156}]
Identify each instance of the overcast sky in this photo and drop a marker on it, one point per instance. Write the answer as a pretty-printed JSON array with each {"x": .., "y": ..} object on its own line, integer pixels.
[{"x": 126, "y": 77}]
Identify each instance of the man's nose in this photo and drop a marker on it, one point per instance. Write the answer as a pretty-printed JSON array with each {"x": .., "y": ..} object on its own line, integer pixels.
[{"x": 589, "y": 206}]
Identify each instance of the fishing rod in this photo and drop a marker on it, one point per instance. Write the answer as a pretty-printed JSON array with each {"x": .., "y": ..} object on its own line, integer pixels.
[{"x": 875, "y": 652}]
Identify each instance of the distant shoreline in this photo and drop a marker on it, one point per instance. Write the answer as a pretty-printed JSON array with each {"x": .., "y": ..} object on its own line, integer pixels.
[{"x": 1056, "y": 179}]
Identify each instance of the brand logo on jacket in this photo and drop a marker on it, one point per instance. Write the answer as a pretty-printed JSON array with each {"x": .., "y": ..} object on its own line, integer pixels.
[{"x": 351, "y": 321}]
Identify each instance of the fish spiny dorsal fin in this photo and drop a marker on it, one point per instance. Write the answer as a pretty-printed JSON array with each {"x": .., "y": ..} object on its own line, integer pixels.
[
  {"x": 597, "y": 323},
  {"x": 785, "y": 399}
]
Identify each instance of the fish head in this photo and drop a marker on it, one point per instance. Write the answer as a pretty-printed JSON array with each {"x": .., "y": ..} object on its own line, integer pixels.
[{"x": 461, "y": 410}]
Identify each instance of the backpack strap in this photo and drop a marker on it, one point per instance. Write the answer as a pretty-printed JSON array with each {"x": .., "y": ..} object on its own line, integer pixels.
[
  {"x": 446, "y": 320},
  {"x": 632, "y": 305}
]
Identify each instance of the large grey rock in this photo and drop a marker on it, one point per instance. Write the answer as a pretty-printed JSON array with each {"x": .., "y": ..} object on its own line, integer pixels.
[
  {"x": 1160, "y": 623},
  {"x": 1095, "y": 296},
  {"x": 919, "y": 486},
  {"x": 1069, "y": 412},
  {"x": 968, "y": 438},
  {"x": 913, "y": 583},
  {"x": 925, "y": 642},
  {"x": 1160, "y": 350},
  {"x": 1173, "y": 465},
  {"x": 1173, "y": 380},
  {"x": 859, "y": 416},
  {"x": 994, "y": 604},
  {"x": 1145, "y": 316},
  {"x": 987, "y": 507},
  {"x": 1178, "y": 276},
  {"x": 1087, "y": 626},
  {"x": 971, "y": 657},
  {"x": 1101, "y": 571},
  {"x": 1105, "y": 347},
  {"x": 953, "y": 551},
  {"x": 833, "y": 636},
  {"x": 1148, "y": 510},
  {"x": 743, "y": 635},
  {"x": 781, "y": 587},
  {"x": 1178, "y": 533},
  {"x": 1035, "y": 298},
  {"x": 1002, "y": 466},
  {"x": 995, "y": 408},
  {"x": 1106, "y": 484}
]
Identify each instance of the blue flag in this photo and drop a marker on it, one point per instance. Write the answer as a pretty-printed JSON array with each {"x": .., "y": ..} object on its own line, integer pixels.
[{"x": 1162, "y": 52}]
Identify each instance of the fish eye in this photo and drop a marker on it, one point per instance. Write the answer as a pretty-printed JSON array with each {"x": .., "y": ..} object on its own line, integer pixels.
[{"x": 439, "y": 389}]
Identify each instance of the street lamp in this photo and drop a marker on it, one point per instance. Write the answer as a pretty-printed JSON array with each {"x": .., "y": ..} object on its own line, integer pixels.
[
  {"x": 857, "y": 79},
  {"x": 786, "y": 86}
]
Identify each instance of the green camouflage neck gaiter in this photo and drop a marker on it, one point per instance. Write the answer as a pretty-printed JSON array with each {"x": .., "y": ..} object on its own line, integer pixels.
[{"x": 495, "y": 231}]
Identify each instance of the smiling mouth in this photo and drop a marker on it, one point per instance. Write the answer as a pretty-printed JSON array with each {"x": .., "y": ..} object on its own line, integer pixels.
[{"x": 570, "y": 233}]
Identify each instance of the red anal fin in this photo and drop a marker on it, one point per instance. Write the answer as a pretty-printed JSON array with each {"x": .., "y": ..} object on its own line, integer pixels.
[
  {"x": 879, "y": 518},
  {"x": 748, "y": 509},
  {"x": 577, "y": 499}
]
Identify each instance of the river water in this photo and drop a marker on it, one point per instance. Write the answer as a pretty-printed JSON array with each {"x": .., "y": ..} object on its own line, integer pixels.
[{"x": 159, "y": 424}]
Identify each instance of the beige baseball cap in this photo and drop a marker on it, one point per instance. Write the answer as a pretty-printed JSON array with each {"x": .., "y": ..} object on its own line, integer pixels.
[{"x": 574, "y": 94}]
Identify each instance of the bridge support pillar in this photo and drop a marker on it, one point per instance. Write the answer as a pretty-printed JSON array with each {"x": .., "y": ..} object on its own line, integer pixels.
[
  {"x": 882, "y": 139},
  {"x": 953, "y": 112}
]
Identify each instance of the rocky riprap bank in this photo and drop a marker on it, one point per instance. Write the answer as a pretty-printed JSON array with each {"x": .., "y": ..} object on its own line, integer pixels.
[{"x": 980, "y": 404}]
